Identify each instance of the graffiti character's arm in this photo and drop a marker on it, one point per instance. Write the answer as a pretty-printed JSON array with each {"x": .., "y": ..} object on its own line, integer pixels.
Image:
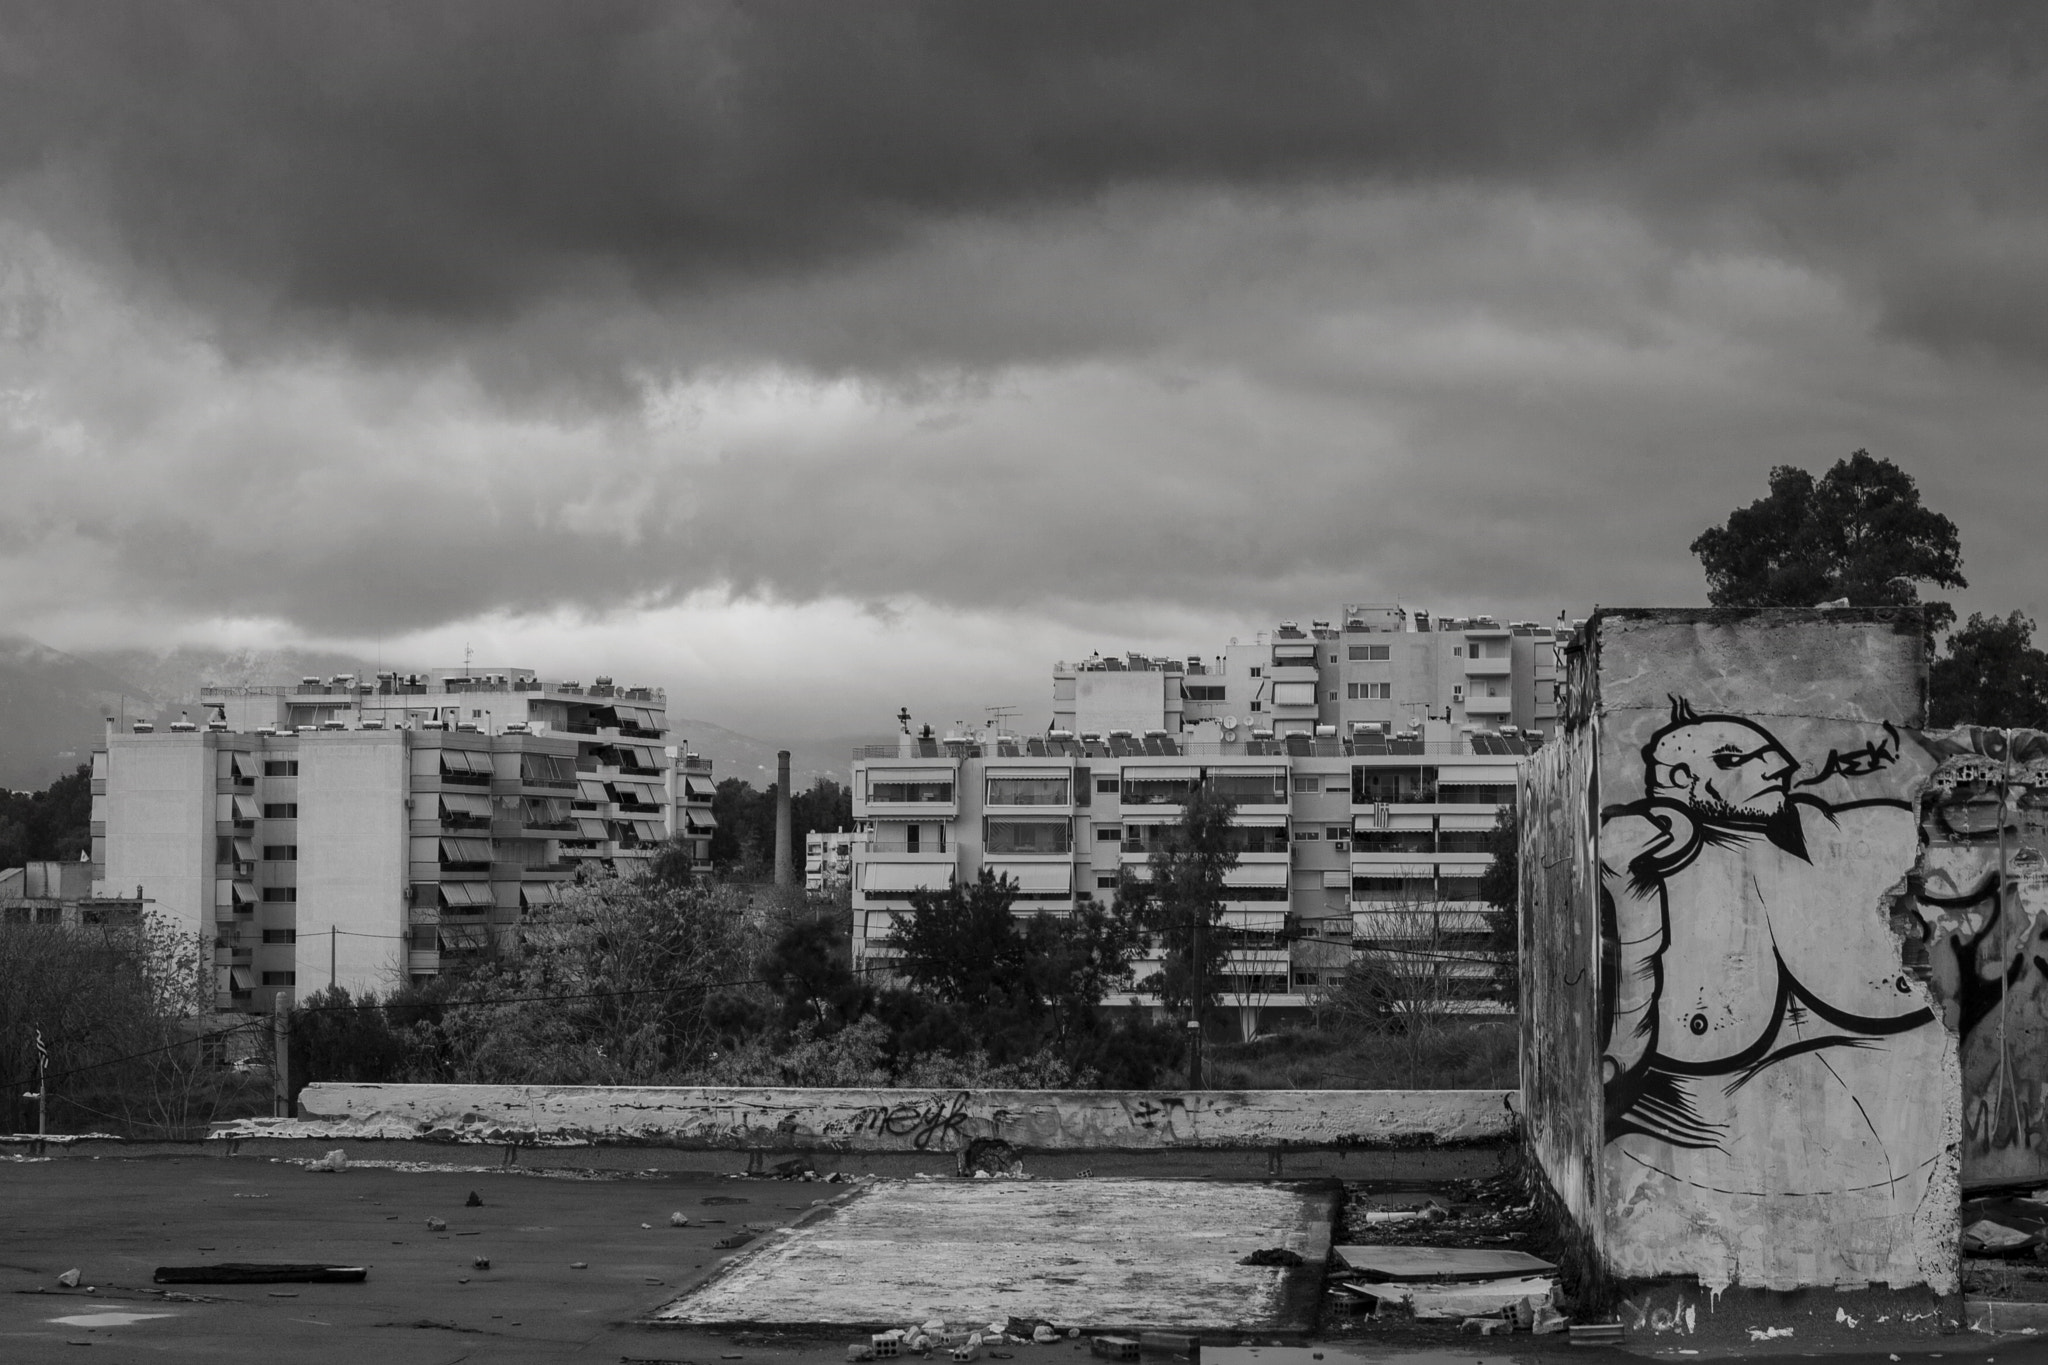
[{"x": 1635, "y": 930}]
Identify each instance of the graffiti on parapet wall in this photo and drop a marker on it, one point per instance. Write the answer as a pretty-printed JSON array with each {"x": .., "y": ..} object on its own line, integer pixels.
[
  {"x": 1979, "y": 902},
  {"x": 1728, "y": 957},
  {"x": 925, "y": 1123}
]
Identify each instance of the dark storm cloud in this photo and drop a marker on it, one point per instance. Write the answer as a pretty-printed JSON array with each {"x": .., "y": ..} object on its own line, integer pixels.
[
  {"x": 371, "y": 317},
  {"x": 458, "y": 164}
]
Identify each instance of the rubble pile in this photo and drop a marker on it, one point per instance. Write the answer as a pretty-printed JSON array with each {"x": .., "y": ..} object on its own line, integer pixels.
[
  {"x": 1448, "y": 1256},
  {"x": 936, "y": 1337},
  {"x": 2005, "y": 1247}
]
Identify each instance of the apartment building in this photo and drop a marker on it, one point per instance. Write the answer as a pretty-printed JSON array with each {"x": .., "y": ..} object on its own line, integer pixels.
[
  {"x": 1342, "y": 843},
  {"x": 332, "y": 832},
  {"x": 1383, "y": 666},
  {"x": 828, "y": 859}
]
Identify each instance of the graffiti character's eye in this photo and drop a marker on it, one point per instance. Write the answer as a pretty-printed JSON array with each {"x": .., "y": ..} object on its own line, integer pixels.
[{"x": 1728, "y": 758}]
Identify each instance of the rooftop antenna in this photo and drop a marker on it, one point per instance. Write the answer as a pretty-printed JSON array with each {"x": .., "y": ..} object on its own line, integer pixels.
[
  {"x": 997, "y": 715},
  {"x": 465, "y": 658},
  {"x": 903, "y": 719}
]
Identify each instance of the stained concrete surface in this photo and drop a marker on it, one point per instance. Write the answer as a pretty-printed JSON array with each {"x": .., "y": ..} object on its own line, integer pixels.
[{"x": 1093, "y": 1253}]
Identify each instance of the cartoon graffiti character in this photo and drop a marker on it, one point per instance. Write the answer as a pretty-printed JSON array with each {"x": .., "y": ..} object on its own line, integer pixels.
[{"x": 1727, "y": 951}]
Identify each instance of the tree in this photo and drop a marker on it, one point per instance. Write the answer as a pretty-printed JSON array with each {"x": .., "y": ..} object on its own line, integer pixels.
[
  {"x": 1500, "y": 888},
  {"x": 961, "y": 944},
  {"x": 1991, "y": 675},
  {"x": 1409, "y": 979},
  {"x": 1859, "y": 532},
  {"x": 1182, "y": 904}
]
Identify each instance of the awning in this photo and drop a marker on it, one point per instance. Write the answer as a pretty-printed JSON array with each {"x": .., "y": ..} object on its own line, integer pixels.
[
  {"x": 909, "y": 775},
  {"x": 1037, "y": 877},
  {"x": 1267, "y": 771},
  {"x": 1481, "y": 820},
  {"x": 635, "y": 715},
  {"x": 699, "y": 819},
  {"x": 1303, "y": 650},
  {"x": 648, "y": 830},
  {"x": 465, "y": 850},
  {"x": 539, "y": 893},
  {"x": 1411, "y": 823},
  {"x": 245, "y": 893},
  {"x": 1259, "y": 821},
  {"x": 245, "y": 850},
  {"x": 1055, "y": 772},
  {"x": 589, "y": 827},
  {"x": 242, "y": 978},
  {"x": 1257, "y": 874},
  {"x": 1412, "y": 871},
  {"x": 465, "y": 803},
  {"x": 1476, "y": 777},
  {"x": 1258, "y": 921},
  {"x": 248, "y": 765},
  {"x": 590, "y": 789},
  {"x": 467, "y": 893},
  {"x": 906, "y": 877},
  {"x": 463, "y": 761},
  {"x": 248, "y": 808},
  {"x": 1336, "y": 881},
  {"x": 641, "y": 756},
  {"x": 1163, "y": 773},
  {"x": 700, "y": 786}
]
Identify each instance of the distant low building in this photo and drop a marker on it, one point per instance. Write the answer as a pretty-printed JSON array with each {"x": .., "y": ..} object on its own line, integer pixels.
[
  {"x": 55, "y": 892},
  {"x": 828, "y": 859}
]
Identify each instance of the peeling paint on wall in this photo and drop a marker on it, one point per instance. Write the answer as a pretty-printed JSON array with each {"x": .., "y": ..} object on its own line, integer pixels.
[
  {"x": 1778, "y": 1091},
  {"x": 1978, "y": 903}
]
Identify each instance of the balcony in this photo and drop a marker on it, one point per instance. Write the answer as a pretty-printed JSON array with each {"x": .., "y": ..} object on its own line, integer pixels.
[
  {"x": 1489, "y": 706},
  {"x": 1498, "y": 667}
]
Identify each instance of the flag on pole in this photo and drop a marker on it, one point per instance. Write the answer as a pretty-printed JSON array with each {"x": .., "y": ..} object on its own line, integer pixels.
[{"x": 42, "y": 1051}]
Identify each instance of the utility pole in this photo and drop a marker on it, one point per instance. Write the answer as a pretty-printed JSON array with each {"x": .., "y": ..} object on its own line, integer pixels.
[
  {"x": 1201, "y": 978},
  {"x": 42, "y": 1090},
  {"x": 281, "y": 1062},
  {"x": 333, "y": 936}
]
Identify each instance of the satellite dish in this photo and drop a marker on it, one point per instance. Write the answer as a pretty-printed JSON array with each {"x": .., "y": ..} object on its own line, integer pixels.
[{"x": 1230, "y": 722}]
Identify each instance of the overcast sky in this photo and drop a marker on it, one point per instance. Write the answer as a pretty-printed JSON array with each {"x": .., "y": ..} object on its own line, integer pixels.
[{"x": 812, "y": 360}]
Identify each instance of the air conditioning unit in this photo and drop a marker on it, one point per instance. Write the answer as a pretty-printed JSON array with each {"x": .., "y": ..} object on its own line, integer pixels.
[{"x": 1342, "y": 845}]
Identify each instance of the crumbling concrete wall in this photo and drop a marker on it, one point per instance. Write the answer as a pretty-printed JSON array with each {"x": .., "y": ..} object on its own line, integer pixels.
[
  {"x": 1979, "y": 905},
  {"x": 893, "y": 1120},
  {"x": 1779, "y": 1095},
  {"x": 1558, "y": 862}
]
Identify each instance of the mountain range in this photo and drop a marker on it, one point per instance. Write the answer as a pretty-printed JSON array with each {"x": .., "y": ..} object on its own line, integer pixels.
[{"x": 54, "y": 706}]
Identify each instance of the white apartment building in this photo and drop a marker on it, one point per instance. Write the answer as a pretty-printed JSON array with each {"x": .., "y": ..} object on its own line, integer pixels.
[
  {"x": 1342, "y": 842},
  {"x": 828, "y": 859},
  {"x": 1384, "y": 666},
  {"x": 366, "y": 834}
]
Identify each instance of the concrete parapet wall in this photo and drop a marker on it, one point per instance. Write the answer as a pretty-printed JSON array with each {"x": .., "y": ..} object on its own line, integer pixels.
[{"x": 799, "y": 1120}]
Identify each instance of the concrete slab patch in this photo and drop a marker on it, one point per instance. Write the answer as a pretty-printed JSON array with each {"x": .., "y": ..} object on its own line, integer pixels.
[
  {"x": 1085, "y": 1253},
  {"x": 1443, "y": 1264}
]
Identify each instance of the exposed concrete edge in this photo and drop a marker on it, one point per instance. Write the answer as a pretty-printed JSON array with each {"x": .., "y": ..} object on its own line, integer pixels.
[
  {"x": 874, "y": 1120},
  {"x": 2005, "y": 1315}
]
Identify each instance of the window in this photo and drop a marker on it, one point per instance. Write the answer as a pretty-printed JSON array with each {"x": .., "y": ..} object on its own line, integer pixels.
[
  {"x": 1457, "y": 691},
  {"x": 1460, "y": 794},
  {"x": 280, "y": 936},
  {"x": 1393, "y": 841},
  {"x": 1372, "y": 785},
  {"x": 880, "y": 788},
  {"x": 1457, "y": 650},
  {"x": 1108, "y": 786},
  {"x": 1027, "y": 791},
  {"x": 281, "y": 767},
  {"x": 1027, "y": 836},
  {"x": 1108, "y": 834},
  {"x": 1156, "y": 791},
  {"x": 1255, "y": 705},
  {"x": 1304, "y": 835},
  {"x": 280, "y": 895},
  {"x": 1202, "y": 691},
  {"x": 547, "y": 770},
  {"x": 1333, "y": 694},
  {"x": 1255, "y": 672},
  {"x": 1461, "y": 841},
  {"x": 1249, "y": 789},
  {"x": 1337, "y": 832},
  {"x": 1370, "y": 653},
  {"x": 1294, "y": 694},
  {"x": 281, "y": 853},
  {"x": 1105, "y": 881},
  {"x": 280, "y": 978},
  {"x": 1372, "y": 691},
  {"x": 1307, "y": 786},
  {"x": 1459, "y": 888},
  {"x": 281, "y": 810}
]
